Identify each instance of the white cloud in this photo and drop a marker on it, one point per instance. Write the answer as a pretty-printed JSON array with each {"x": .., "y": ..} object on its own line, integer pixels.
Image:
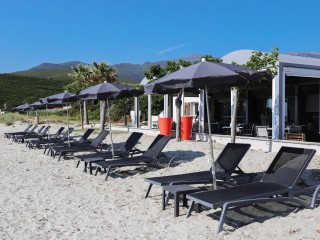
[{"x": 172, "y": 48}]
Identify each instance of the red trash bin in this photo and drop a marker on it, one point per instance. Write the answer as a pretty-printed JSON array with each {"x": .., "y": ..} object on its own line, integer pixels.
[
  {"x": 165, "y": 125},
  {"x": 186, "y": 127}
]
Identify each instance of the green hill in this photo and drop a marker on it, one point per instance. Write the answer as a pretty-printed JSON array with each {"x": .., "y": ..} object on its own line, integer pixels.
[{"x": 16, "y": 90}]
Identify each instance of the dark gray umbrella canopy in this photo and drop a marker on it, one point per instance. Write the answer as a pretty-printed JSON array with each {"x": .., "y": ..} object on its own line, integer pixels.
[
  {"x": 23, "y": 107},
  {"x": 37, "y": 105},
  {"x": 210, "y": 74},
  {"x": 104, "y": 91},
  {"x": 63, "y": 97},
  {"x": 58, "y": 103}
]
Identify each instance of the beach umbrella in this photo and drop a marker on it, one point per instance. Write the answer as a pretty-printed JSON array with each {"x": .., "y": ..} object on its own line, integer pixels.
[
  {"x": 204, "y": 75},
  {"x": 49, "y": 105},
  {"x": 23, "y": 107},
  {"x": 106, "y": 91},
  {"x": 64, "y": 98},
  {"x": 36, "y": 106}
]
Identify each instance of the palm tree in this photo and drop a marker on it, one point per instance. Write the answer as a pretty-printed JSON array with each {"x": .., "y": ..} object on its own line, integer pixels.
[
  {"x": 103, "y": 72},
  {"x": 82, "y": 79}
]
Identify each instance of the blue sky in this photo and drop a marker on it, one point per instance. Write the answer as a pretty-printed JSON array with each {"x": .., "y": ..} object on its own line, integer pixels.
[{"x": 56, "y": 31}]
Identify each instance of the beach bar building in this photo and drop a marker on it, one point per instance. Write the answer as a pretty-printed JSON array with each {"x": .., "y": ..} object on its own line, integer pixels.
[
  {"x": 292, "y": 98},
  {"x": 293, "y": 95}
]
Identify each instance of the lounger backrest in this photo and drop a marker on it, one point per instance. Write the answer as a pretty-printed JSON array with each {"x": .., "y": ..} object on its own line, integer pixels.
[
  {"x": 231, "y": 156},
  {"x": 40, "y": 129},
  {"x": 288, "y": 165},
  {"x": 132, "y": 141},
  {"x": 32, "y": 129},
  {"x": 27, "y": 128},
  {"x": 44, "y": 131},
  {"x": 98, "y": 140},
  {"x": 57, "y": 134},
  {"x": 156, "y": 146},
  {"x": 86, "y": 135},
  {"x": 65, "y": 134}
]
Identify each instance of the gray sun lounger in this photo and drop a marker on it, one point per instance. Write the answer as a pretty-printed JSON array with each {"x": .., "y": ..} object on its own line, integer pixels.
[
  {"x": 42, "y": 132},
  {"x": 279, "y": 184},
  {"x": 59, "y": 141},
  {"x": 148, "y": 158},
  {"x": 27, "y": 129},
  {"x": 227, "y": 169},
  {"x": 34, "y": 143},
  {"x": 129, "y": 149},
  {"x": 94, "y": 146},
  {"x": 32, "y": 130},
  {"x": 52, "y": 148}
]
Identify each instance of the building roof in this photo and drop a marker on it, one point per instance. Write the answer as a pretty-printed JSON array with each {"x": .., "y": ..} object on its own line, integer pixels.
[{"x": 242, "y": 56}]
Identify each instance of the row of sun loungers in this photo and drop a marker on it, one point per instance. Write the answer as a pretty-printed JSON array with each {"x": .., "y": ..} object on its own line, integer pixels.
[{"x": 280, "y": 183}]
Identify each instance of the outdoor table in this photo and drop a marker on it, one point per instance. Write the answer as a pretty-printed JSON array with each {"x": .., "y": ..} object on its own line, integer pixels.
[{"x": 176, "y": 190}]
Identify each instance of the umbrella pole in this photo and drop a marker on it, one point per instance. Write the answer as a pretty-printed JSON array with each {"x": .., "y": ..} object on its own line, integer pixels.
[
  {"x": 47, "y": 120},
  {"x": 210, "y": 141},
  {"x": 68, "y": 125},
  {"x": 37, "y": 120},
  {"x": 108, "y": 110}
]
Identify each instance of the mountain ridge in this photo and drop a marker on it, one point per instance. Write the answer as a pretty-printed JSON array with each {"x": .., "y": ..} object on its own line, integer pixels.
[
  {"x": 127, "y": 71},
  {"x": 131, "y": 72}
]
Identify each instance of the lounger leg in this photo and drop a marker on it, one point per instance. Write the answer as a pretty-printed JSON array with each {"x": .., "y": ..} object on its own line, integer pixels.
[
  {"x": 190, "y": 209},
  {"x": 85, "y": 166},
  {"x": 148, "y": 191},
  {"x": 108, "y": 171},
  {"x": 90, "y": 168},
  {"x": 78, "y": 164},
  {"x": 167, "y": 198},
  {"x": 315, "y": 196},
  {"x": 163, "y": 199},
  {"x": 222, "y": 217},
  {"x": 176, "y": 205},
  {"x": 60, "y": 155}
]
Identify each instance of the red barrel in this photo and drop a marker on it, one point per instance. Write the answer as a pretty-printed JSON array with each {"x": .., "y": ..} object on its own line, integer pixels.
[
  {"x": 186, "y": 127},
  {"x": 165, "y": 125}
]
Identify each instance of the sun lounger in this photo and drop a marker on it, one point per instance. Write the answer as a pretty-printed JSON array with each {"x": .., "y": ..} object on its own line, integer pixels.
[
  {"x": 60, "y": 140},
  {"x": 129, "y": 149},
  {"x": 94, "y": 146},
  {"x": 63, "y": 141},
  {"x": 279, "y": 184},
  {"x": 226, "y": 168},
  {"x": 41, "y": 134},
  {"x": 148, "y": 158},
  {"x": 34, "y": 143},
  {"x": 32, "y": 130},
  {"x": 8, "y": 135}
]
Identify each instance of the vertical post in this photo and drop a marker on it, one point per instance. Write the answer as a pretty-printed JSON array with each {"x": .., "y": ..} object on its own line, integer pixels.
[
  {"x": 296, "y": 108},
  {"x": 149, "y": 111},
  {"x": 183, "y": 106},
  {"x": 47, "y": 120},
  {"x": 68, "y": 124},
  {"x": 278, "y": 103},
  {"x": 201, "y": 112},
  {"x": 109, "y": 119},
  {"x": 165, "y": 105},
  {"x": 210, "y": 140},
  {"x": 81, "y": 116},
  {"x": 136, "y": 109}
]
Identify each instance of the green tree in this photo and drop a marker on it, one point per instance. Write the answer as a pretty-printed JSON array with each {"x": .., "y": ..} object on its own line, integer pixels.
[
  {"x": 81, "y": 76},
  {"x": 171, "y": 67},
  {"x": 257, "y": 61},
  {"x": 184, "y": 63},
  {"x": 154, "y": 72},
  {"x": 103, "y": 72},
  {"x": 210, "y": 58}
]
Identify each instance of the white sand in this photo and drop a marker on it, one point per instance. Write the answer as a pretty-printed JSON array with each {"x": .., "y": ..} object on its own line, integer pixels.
[{"x": 41, "y": 198}]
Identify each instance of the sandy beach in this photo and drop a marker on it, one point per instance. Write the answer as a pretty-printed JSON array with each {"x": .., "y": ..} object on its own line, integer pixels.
[{"x": 42, "y": 198}]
